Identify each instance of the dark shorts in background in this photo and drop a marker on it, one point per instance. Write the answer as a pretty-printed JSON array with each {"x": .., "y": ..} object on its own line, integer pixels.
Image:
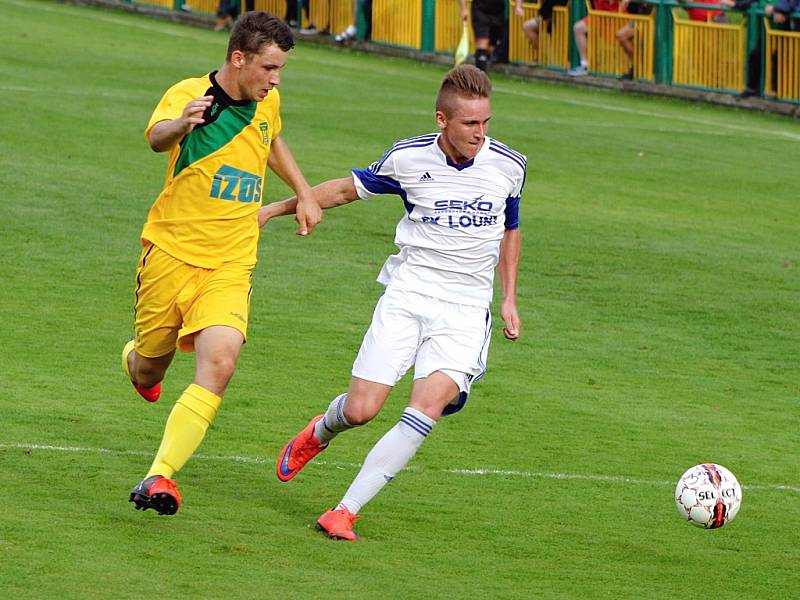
[{"x": 487, "y": 22}]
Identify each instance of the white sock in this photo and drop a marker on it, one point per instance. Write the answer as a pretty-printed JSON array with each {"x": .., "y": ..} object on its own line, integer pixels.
[
  {"x": 333, "y": 422},
  {"x": 584, "y": 63},
  {"x": 387, "y": 458}
]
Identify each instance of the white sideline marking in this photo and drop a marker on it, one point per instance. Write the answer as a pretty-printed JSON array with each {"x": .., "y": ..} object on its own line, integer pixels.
[
  {"x": 41, "y": 7},
  {"x": 18, "y": 89},
  {"x": 477, "y": 472},
  {"x": 386, "y": 69}
]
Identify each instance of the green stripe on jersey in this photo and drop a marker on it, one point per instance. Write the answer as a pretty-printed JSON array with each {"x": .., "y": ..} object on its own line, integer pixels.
[{"x": 204, "y": 141}]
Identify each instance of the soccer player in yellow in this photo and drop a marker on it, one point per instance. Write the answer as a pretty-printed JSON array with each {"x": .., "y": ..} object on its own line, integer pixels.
[{"x": 193, "y": 280}]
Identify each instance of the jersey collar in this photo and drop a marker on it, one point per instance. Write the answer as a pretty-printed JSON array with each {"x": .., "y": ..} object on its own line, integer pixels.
[
  {"x": 224, "y": 95},
  {"x": 464, "y": 165}
]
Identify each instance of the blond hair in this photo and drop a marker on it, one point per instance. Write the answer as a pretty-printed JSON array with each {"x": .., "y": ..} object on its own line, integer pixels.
[{"x": 463, "y": 81}]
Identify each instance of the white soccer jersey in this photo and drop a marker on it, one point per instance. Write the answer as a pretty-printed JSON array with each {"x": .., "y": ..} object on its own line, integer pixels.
[{"x": 456, "y": 215}]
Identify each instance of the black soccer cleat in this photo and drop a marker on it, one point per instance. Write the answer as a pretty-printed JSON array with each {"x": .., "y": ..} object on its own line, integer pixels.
[{"x": 156, "y": 492}]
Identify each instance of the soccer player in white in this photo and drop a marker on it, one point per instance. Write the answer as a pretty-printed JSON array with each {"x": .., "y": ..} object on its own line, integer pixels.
[{"x": 461, "y": 191}]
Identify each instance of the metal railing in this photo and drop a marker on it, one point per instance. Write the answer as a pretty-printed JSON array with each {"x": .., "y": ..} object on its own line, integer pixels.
[
  {"x": 668, "y": 47},
  {"x": 397, "y": 22},
  {"x": 326, "y": 15},
  {"x": 552, "y": 47},
  {"x": 782, "y": 60},
  {"x": 448, "y": 26},
  {"x": 707, "y": 54},
  {"x": 605, "y": 53}
]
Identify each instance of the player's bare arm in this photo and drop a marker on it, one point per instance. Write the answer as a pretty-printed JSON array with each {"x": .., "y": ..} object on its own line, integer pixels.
[
  {"x": 508, "y": 267},
  {"x": 165, "y": 134},
  {"x": 328, "y": 194},
  {"x": 307, "y": 212}
]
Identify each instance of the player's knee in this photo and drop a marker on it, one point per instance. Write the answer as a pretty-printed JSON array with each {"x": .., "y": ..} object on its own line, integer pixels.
[
  {"x": 359, "y": 413},
  {"x": 221, "y": 368}
]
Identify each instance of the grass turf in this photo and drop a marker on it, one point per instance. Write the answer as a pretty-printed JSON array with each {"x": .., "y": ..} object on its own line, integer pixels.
[{"x": 659, "y": 292}]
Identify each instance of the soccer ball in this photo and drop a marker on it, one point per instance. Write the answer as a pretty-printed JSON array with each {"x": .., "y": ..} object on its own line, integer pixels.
[{"x": 708, "y": 496}]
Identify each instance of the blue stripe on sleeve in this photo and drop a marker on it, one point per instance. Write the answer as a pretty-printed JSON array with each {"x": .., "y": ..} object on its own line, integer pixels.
[
  {"x": 512, "y": 213},
  {"x": 381, "y": 184}
]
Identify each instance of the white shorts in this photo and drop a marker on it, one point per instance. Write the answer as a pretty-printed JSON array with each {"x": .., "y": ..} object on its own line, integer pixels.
[{"x": 432, "y": 334}]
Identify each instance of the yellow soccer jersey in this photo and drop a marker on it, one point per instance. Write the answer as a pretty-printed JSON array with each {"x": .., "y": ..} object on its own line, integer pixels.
[{"x": 206, "y": 214}]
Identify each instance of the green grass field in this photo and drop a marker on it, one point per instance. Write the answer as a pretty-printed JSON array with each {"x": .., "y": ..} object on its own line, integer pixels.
[{"x": 659, "y": 291}]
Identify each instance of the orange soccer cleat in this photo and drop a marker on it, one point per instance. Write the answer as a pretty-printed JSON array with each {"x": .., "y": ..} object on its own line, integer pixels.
[
  {"x": 156, "y": 492},
  {"x": 338, "y": 524},
  {"x": 299, "y": 451},
  {"x": 151, "y": 394}
]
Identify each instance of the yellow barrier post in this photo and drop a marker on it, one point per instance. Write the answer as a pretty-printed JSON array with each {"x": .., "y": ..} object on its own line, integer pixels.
[
  {"x": 782, "y": 74},
  {"x": 552, "y": 48},
  {"x": 273, "y": 7},
  {"x": 448, "y": 26},
  {"x": 606, "y": 55},
  {"x": 397, "y": 23},
  {"x": 708, "y": 54}
]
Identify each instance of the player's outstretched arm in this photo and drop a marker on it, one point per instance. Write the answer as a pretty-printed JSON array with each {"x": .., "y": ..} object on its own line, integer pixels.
[
  {"x": 307, "y": 212},
  {"x": 328, "y": 194},
  {"x": 165, "y": 134},
  {"x": 508, "y": 267}
]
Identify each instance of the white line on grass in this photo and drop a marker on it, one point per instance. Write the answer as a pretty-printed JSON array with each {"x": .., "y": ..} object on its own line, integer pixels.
[
  {"x": 387, "y": 70},
  {"x": 473, "y": 472},
  {"x": 82, "y": 93},
  {"x": 41, "y": 7}
]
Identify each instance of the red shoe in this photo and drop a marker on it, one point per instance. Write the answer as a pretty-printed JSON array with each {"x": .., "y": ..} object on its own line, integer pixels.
[
  {"x": 156, "y": 492},
  {"x": 151, "y": 394},
  {"x": 338, "y": 524},
  {"x": 296, "y": 454}
]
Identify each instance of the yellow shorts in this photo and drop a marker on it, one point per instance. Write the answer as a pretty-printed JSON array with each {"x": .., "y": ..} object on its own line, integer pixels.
[{"x": 175, "y": 300}]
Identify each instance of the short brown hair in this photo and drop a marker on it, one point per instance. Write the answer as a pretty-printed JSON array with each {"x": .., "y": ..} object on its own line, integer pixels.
[
  {"x": 255, "y": 29},
  {"x": 464, "y": 81}
]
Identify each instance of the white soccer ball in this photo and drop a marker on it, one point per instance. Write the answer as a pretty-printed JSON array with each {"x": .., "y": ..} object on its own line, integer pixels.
[{"x": 708, "y": 496}]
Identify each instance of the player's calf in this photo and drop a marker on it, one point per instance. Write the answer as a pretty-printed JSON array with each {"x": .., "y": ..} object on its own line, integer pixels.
[{"x": 152, "y": 393}]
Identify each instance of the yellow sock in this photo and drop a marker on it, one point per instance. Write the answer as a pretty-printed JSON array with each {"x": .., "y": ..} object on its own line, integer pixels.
[{"x": 186, "y": 427}]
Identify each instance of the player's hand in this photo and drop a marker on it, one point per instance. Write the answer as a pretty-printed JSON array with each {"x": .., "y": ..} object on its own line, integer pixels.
[
  {"x": 308, "y": 214},
  {"x": 193, "y": 112},
  {"x": 520, "y": 12},
  {"x": 508, "y": 312}
]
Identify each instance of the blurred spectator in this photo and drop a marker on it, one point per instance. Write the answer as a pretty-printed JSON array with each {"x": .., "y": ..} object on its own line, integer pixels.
[
  {"x": 545, "y": 16},
  {"x": 627, "y": 32},
  {"x": 227, "y": 12},
  {"x": 705, "y": 15},
  {"x": 779, "y": 13},
  {"x": 488, "y": 26},
  {"x": 581, "y": 33},
  {"x": 350, "y": 32},
  {"x": 291, "y": 13},
  {"x": 295, "y": 20}
]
